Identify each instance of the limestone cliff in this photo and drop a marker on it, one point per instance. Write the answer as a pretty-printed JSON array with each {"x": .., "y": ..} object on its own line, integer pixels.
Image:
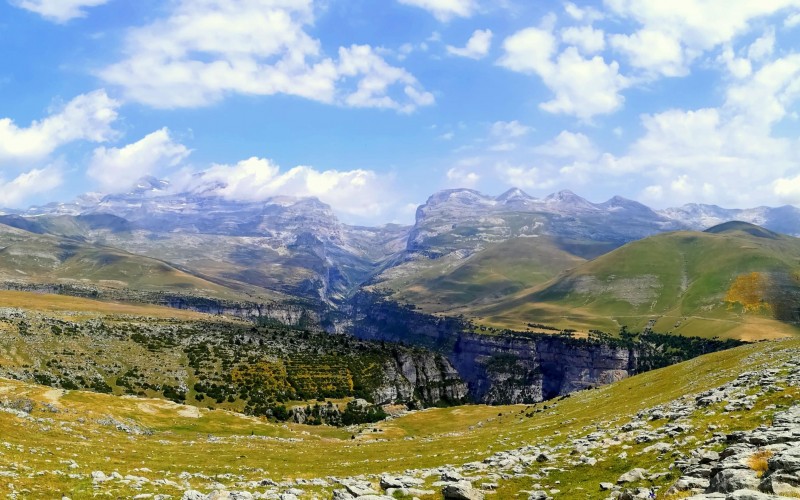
[
  {"x": 424, "y": 377},
  {"x": 503, "y": 369},
  {"x": 510, "y": 369}
]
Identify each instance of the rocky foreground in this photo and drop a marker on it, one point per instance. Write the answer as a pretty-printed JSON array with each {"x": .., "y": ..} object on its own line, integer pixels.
[
  {"x": 761, "y": 464},
  {"x": 694, "y": 458},
  {"x": 756, "y": 465}
]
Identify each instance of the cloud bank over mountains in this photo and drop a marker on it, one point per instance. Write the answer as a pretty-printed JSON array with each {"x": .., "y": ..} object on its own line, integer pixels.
[{"x": 665, "y": 103}]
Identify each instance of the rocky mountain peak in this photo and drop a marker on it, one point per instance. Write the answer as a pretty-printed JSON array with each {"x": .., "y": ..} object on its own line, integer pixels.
[
  {"x": 621, "y": 203},
  {"x": 514, "y": 195},
  {"x": 567, "y": 200}
]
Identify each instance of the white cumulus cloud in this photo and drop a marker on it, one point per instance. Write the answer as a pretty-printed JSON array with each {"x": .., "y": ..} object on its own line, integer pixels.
[
  {"x": 207, "y": 49},
  {"x": 583, "y": 87},
  {"x": 728, "y": 154},
  {"x": 583, "y": 14},
  {"x": 444, "y": 10},
  {"x": 788, "y": 189},
  {"x": 676, "y": 33},
  {"x": 462, "y": 177},
  {"x": 87, "y": 117},
  {"x": 509, "y": 130},
  {"x": 569, "y": 145},
  {"x": 529, "y": 50},
  {"x": 588, "y": 39},
  {"x": 15, "y": 192},
  {"x": 116, "y": 169},
  {"x": 653, "y": 50},
  {"x": 377, "y": 76},
  {"x": 736, "y": 154},
  {"x": 523, "y": 176},
  {"x": 356, "y": 192},
  {"x": 763, "y": 47},
  {"x": 477, "y": 46},
  {"x": 505, "y": 135},
  {"x": 59, "y": 11},
  {"x": 738, "y": 67}
]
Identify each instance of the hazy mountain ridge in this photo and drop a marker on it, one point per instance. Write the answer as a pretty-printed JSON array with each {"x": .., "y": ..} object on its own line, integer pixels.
[
  {"x": 784, "y": 219},
  {"x": 298, "y": 246},
  {"x": 291, "y": 245},
  {"x": 563, "y": 215}
]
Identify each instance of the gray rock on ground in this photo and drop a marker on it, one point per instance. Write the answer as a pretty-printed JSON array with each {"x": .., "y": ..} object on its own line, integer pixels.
[{"x": 461, "y": 491}]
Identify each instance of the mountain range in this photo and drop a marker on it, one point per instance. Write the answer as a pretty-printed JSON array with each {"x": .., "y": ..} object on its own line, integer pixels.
[{"x": 467, "y": 252}]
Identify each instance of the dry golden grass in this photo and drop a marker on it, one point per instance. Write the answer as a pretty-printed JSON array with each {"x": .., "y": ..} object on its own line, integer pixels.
[
  {"x": 759, "y": 461},
  {"x": 678, "y": 495},
  {"x": 64, "y": 303},
  {"x": 750, "y": 291}
]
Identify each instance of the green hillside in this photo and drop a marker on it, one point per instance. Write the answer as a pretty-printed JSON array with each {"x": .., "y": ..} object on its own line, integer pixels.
[
  {"x": 68, "y": 226},
  {"x": 498, "y": 271},
  {"x": 734, "y": 280},
  {"x": 29, "y": 258}
]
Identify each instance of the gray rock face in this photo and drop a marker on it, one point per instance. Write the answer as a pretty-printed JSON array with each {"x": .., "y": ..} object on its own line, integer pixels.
[
  {"x": 424, "y": 376},
  {"x": 698, "y": 216},
  {"x": 514, "y": 370},
  {"x": 308, "y": 251},
  {"x": 462, "y": 490},
  {"x": 497, "y": 369},
  {"x": 787, "y": 460},
  {"x": 782, "y": 483},
  {"x": 193, "y": 495},
  {"x": 730, "y": 480},
  {"x": 326, "y": 260},
  {"x": 538, "y": 495},
  {"x": 465, "y": 219}
]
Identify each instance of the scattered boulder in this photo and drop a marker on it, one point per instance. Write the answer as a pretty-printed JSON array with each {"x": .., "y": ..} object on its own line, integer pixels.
[
  {"x": 538, "y": 495},
  {"x": 452, "y": 476},
  {"x": 193, "y": 495},
  {"x": 632, "y": 476},
  {"x": 730, "y": 480},
  {"x": 462, "y": 490}
]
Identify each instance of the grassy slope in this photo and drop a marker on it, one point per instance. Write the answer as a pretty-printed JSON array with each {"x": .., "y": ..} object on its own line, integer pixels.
[
  {"x": 77, "y": 308},
  {"x": 217, "y": 442},
  {"x": 500, "y": 270},
  {"x": 46, "y": 259},
  {"x": 680, "y": 279}
]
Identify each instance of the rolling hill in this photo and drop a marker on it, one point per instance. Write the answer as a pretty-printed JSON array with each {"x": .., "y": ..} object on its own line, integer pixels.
[
  {"x": 498, "y": 271},
  {"x": 736, "y": 279},
  {"x": 34, "y": 259}
]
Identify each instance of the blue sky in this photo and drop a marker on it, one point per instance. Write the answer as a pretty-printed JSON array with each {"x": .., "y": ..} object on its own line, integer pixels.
[{"x": 372, "y": 106}]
